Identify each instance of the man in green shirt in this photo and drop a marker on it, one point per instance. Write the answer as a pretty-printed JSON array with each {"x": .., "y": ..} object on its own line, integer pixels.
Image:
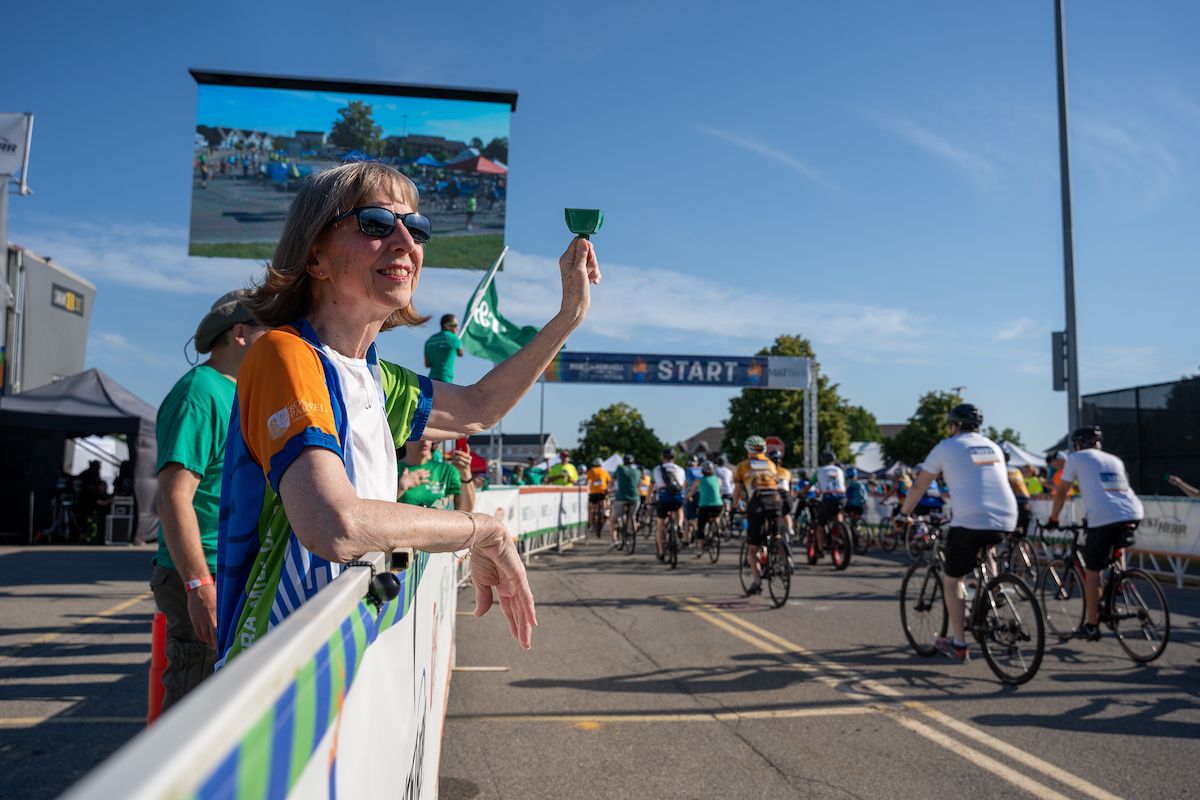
[
  {"x": 425, "y": 482},
  {"x": 627, "y": 476},
  {"x": 192, "y": 423},
  {"x": 442, "y": 349}
]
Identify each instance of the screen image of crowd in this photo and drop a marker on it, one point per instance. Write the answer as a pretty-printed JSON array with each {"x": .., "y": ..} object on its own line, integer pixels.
[{"x": 244, "y": 179}]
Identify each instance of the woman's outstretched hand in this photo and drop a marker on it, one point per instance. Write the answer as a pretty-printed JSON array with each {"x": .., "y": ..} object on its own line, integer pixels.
[
  {"x": 496, "y": 567},
  {"x": 579, "y": 270}
]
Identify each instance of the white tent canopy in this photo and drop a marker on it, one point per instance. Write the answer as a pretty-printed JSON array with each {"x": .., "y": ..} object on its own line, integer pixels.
[
  {"x": 867, "y": 456},
  {"x": 1019, "y": 457}
]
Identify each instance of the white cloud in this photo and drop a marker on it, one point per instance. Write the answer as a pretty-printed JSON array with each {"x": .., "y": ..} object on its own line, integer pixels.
[
  {"x": 145, "y": 256},
  {"x": 767, "y": 150},
  {"x": 1128, "y": 155},
  {"x": 980, "y": 170},
  {"x": 1013, "y": 329},
  {"x": 114, "y": 348}
]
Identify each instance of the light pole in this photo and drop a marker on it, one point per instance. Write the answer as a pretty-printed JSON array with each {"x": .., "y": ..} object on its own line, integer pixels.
[
  {"x": 1064, "y": 159},
  {"x": 958, "y": 390}
]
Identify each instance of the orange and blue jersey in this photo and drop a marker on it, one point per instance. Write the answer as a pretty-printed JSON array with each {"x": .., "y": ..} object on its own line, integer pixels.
[{"x": 289, "y": 397}]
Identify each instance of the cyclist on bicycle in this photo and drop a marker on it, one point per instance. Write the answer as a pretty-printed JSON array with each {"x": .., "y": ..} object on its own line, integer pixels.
[
  {"x": 625, "y": 505},
  {"x": 725, "y": 475},
  {"x": 1112, "y": 510},
  {"x": 831, "y": 483},
  {"x": 984, "y": 508},
  {"x": 1021, "y": 492},
  {"x": 856, "y": 494},
  {"x": 706, "y": 493},
  {"x": 669, "y": 483},
  {"x": 598, "y": 482},
  {"x": 757, "y": 478},
  {"x": 785, "y": 490}
]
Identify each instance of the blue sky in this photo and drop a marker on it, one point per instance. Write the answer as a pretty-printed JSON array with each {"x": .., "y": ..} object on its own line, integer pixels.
[
  {"x": 879, "y": 177},
  {"x": 284, "y": 111}
]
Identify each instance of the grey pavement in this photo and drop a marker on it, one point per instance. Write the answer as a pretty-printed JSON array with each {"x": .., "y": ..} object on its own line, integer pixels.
[{"x": 648, "y": 683}]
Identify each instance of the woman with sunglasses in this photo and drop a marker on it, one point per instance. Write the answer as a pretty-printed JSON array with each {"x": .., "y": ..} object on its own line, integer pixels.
[{"x": 310, "y": 470}]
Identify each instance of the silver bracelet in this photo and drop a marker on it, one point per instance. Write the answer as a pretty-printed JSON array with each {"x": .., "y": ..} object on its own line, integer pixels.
[{"x": 474, "y": 532}]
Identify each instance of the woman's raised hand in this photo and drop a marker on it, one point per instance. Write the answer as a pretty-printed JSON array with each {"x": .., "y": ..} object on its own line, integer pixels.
[
  {"x": 579, "y": 269},
  {"x": 496, "y": 567}
]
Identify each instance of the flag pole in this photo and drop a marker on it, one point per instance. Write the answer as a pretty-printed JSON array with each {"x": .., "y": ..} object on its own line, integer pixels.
[{"x": 481, "y": 289}]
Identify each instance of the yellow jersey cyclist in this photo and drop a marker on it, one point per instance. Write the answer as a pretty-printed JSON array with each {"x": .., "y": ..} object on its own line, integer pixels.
[
  {"x": 757, "y": 478},
  {"x": 598, "y": 483},
  {"x": 984, "y": 508},
  {"x": 1112, "y": 510}
]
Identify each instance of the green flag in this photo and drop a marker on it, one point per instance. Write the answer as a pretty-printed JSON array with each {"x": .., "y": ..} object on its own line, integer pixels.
[{"x": 490, "y": 335}]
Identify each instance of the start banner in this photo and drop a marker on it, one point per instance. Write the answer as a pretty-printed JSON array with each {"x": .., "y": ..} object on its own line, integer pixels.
[{"x": 756, "y": 372}]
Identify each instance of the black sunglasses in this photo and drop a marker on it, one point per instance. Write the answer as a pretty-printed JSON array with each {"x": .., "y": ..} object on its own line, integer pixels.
[{"x": 379, "y": 223}]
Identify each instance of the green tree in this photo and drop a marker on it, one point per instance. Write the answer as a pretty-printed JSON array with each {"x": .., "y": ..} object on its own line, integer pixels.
[
  {"x": 497, "y": 149},
  {"x": 619, "y": 428},
  {"x": 356, "y": 129},
  {"x": 1006, "y": 435},
  {"x": 926, "y": 427},
  {"x": 477, "y": 143},
  {"x": 781, "y": 413},
  {"x": 862, "y": 424}
]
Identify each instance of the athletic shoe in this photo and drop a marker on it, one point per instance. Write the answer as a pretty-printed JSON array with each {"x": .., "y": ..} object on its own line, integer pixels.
[
  {"x": 953, "y": 651},
  {"x": 755, "y": 588},
  {"x": 1088, "y": 632}
]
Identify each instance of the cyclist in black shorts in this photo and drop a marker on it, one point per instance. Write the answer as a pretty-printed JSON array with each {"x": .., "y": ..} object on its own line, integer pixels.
[
  {"x": 669, "y": 484},
  {"x": 1113, "y": 513},
  {"x": 758, "y": 478}
]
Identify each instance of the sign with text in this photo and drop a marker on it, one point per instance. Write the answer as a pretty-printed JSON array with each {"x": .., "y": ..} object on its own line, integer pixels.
[{"x": 759, "y": 372}]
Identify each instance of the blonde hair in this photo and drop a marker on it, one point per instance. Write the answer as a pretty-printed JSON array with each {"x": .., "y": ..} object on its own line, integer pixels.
[{"x": 284, "y": 294}]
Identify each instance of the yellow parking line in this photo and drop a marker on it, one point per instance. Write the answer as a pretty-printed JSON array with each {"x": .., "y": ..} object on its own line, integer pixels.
[
  {"x": 51, "y": 636},
  {"x": 29, "y": 722},
  {"x": 770, "y": 642}
]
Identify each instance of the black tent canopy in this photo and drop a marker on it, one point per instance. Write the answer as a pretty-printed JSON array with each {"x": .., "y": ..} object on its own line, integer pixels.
[{"x": 35, "y": 425}]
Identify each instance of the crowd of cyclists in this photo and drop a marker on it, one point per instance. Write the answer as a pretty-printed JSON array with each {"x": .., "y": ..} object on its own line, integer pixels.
[{"x": 771, "y": 507}]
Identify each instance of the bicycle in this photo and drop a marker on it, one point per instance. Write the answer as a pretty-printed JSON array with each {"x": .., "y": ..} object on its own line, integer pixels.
[
  {"x": 644, "y": 519},
  {"x": 1015, "y": 555},
  {"x": 837, "y": 540},
  {"x": 775, "y": 564},
  {"x": 1002, "y": 614},
  {"x": 860, "y": 532},
  {"x": 671, "y": 539},
  {"x": 1131, "y": 603},
  {"x": 626, "y": 531},
  {"x": 597, "y": 515}
]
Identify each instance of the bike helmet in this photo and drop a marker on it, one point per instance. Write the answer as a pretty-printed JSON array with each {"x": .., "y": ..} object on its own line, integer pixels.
[
  {"x": 597, "y": 461},
  {"x": 707, "y": 468},
  {"x": 668, "y": 453},
  {"x": 827, "y": 458},
  {"x": 693, "y": 460},
  {"x": 852, "y": 473},
  {"x": 775, "y": 455},
  {"x": 628, "y": 459},
  {"x": 755, "y": 444},
  {"x": 1089, "y": 436},
  {"x": 966, "y": 415},
  {"x": 721, "y": 461}
]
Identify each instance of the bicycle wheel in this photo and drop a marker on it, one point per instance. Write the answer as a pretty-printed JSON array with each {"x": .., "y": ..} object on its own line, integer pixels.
[
  {"x": 714, "y": 546},
  {"x": 916, "y": 543},
  {"x": 922, "y": 612},
  {"x": 1008, "y": 624},
  {"x": 1060, "y": 591},
  {"x": 745, "y": 571},
  {"x": 629, "y": 535},
  {"x": 861, "y": 535},
  {"x": 672, "y": 544},
  {"x": 810, "y": 545},
  {"x": 1138, "y": 615},
  {"x": 887, "y": 536},
  {"x": 840, "y": 546},
  {"x": 779, "y": 572}
]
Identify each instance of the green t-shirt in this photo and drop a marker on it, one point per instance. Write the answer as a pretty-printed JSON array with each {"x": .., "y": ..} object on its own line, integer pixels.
[
  {"x": 534, "y": 476},
  {"x": 710, "y": 491},
  {"x": 444, "y": 481},
  {"x": 441, "y": 350},
  {"x": 192, "y": 423},
  {"x": 628, "y": 478}
]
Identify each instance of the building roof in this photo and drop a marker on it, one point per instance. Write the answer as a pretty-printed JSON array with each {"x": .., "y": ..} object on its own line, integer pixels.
[
  {"x": 889, "y": 430},
  {"x": 708, "y": 439}
]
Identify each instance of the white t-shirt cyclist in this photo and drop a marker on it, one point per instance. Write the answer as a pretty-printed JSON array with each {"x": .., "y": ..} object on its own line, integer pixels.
[
  {"x": 973, "y": 467},
  {"x": 1104, "y": 484},
  {"x": 831, "y": 480}
]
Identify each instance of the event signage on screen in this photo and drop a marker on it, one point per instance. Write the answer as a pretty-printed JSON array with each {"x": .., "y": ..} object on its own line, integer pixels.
[
  {"x": 760, "y": 372},
  {"x": 258, "y": 137}
]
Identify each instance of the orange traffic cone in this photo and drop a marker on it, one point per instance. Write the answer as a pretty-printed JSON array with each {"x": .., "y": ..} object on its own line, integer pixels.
[{"x": 158, "y": 662}]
